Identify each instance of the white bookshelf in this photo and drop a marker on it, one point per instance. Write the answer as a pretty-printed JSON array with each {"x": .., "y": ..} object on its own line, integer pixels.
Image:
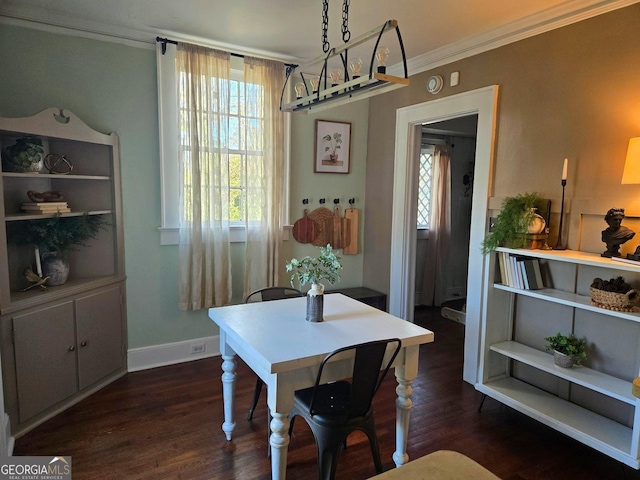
[{"x": 504, "y": 358}]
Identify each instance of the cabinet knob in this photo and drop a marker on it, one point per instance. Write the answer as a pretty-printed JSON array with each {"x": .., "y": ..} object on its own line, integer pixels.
[
  {"x": 83, "y": 343},
  {"x": 72, "y": 348}
]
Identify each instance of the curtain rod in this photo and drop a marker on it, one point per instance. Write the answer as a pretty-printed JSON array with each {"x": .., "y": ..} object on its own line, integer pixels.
[{"x": 164, "y": 42}]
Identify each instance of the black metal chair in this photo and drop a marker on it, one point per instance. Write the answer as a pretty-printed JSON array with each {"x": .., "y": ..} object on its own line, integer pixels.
[
  {"x": 265, "y": 295},
  {"x": 335, "y": 410}
]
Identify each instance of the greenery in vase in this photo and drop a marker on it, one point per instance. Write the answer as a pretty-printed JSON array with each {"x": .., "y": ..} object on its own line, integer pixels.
[
  {"x": 58, "y": 234},
  {"x": 325, "y": 266},
  {"x": 567, "y": 344},
  {"x": 513, "y": 221}
]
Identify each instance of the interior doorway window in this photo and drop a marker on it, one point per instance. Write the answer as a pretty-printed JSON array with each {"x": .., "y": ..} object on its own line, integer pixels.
[{"x": 425, "y": 185}]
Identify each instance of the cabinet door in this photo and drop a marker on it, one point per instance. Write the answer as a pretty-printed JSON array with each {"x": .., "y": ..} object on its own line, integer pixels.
[
  {"x": 45, "y": 351},
  {"x": 100, "y": 344}
]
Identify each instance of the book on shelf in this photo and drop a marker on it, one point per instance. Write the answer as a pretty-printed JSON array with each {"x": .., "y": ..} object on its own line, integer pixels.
[
  {"x": 518, "y": 271},
  {"x": 45, "y": 204}
]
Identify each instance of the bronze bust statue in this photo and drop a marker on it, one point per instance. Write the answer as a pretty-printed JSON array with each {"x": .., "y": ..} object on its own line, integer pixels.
[{"x": 615, "y": 235}]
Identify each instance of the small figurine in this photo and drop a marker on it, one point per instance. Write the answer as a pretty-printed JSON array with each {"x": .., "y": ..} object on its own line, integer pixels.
[
  {"x": 37, "y": 280},
  {"x": 615, "y": 235}
]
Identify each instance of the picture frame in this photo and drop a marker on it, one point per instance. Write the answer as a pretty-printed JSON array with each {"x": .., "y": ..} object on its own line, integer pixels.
[{"x": 332, "y": 147}]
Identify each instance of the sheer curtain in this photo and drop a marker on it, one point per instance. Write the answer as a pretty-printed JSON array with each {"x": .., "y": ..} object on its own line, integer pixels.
[
  {"x": 264, "y": 80},
  {"x": 435, "y": 278},
  {"x": 204, "y": 273}
]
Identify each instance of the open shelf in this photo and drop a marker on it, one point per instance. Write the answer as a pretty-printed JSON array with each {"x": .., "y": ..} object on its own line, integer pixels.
[
  {"x": 592, "y": 379},
  {"x": 26, "y": 216},
  {"x": 574, "y": 256},
  {"x": 56, "y": 176},
  {"x": 570, "y": 299},
  {"x": 603, "y": 434}
]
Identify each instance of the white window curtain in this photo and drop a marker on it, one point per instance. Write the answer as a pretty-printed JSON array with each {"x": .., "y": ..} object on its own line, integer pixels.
[
  {"x": 264, "y": 81},
  {"x": 204, "y": 275},
  {"x": 232, "y": 167},
  {"x": 435, "y": 272}
]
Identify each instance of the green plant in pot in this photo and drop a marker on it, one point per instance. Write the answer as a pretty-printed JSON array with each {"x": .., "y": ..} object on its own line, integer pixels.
[
  {"x": 568, "y": 350},
  {"x": 55, "y": 237},
  {"x": 512, "y": 223},
  {"x": 325, "y": 266},
  {"x": 25, "y": 155}
]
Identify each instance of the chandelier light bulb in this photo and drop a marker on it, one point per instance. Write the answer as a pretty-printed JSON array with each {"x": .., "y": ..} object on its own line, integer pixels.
[
  {"x": 381, "y": 56},
  {"x": 315, "y": 82},
  {"x": 299, "y": 87},
  {"x": 335, "y": 76},
  {"x": 355, "y": 67}
]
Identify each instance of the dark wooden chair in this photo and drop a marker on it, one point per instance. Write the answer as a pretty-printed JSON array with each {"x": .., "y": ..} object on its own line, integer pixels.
[
  {"x": 335, "y": 410},
  {"x": 265, "y": 295}
]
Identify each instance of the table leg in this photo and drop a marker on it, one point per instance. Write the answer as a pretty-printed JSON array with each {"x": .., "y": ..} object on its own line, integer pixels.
[
  {"x": 279, "y": 441},
  {"x": 403, "y": 408},
  {"x": 228, "y": 391}
]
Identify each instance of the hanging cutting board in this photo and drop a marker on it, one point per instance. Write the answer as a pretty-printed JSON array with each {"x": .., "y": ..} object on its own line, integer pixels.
[
  {"x": 324, "y": 226},
  {"x": 351, "y": 243},
  {"x": 304, "y": 230},
  {"x": 337, "y": 234}
]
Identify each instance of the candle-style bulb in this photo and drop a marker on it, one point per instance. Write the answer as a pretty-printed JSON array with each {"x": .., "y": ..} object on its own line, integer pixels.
[
  {"x": 565, "y": 168},
  {"x": 381, "y": 56}
]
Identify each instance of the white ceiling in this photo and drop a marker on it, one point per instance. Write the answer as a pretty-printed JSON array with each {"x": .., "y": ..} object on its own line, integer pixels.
[{"x": 290, "y": 30}]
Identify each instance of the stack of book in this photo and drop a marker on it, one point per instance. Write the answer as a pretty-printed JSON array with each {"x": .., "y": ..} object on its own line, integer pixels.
[
  {"x": 520, "y": 272},
  {"x": 45, "y": 208}
]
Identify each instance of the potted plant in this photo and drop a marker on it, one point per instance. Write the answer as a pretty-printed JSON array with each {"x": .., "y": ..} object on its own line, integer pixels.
[
  {"x": 55, "y": 237},
  {"x": 512, "y": 223},
  {"x": 567, "y": 349},
  {"x": 334, "y": 145},
  {"x": 26, "y": 155},
  {"x": 325, "y": 266}
]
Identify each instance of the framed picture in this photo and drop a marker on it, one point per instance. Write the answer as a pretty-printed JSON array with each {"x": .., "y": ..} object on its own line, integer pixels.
[{"x": 333, "y": 147}]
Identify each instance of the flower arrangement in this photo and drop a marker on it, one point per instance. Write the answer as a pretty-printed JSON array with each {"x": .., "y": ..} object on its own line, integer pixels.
[{"x": 325, "y": 266}]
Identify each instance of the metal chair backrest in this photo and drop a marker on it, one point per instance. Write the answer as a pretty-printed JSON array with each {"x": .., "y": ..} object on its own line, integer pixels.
[
  {"x": 272, "y": 293},
  {"x": 368, "y": 373}
]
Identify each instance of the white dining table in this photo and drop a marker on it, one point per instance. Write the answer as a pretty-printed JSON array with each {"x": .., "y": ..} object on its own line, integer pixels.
[{"x": 284, "y": 350}]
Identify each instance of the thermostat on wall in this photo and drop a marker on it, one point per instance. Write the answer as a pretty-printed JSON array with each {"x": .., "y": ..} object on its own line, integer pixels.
[{"x": 434, "y": 84}]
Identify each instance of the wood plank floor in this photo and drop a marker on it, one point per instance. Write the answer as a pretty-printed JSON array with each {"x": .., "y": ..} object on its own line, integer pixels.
[{"x": 165, "y": 424}]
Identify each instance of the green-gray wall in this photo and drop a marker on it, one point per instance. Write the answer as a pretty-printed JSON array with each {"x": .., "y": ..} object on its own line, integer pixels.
[{"x": 112, "y": 88}]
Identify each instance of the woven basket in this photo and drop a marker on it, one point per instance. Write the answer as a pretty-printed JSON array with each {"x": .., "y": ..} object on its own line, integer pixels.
[{"x": 621, "y": 302}]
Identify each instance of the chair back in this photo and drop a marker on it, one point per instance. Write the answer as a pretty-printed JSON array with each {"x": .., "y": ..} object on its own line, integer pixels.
[
  {"x": 368, "y": 373},
  {"x": 272, "y": 293}
]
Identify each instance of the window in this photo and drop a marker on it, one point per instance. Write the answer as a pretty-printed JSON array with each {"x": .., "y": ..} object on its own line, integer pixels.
[
  {"x": 425, "y": 185},
  {"x": 240, "y": 122}
]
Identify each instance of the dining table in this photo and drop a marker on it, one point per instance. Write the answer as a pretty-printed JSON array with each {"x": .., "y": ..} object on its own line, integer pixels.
[{"x": 274, "y": 339}]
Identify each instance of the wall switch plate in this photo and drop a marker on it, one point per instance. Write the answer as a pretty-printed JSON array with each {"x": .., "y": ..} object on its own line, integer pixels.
[{"x": 455, "y": 79}]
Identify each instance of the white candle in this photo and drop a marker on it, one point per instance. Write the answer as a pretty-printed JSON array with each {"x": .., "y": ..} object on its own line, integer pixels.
[
  {"x": 564, "y": 169},
  {"x": 38, "y": 265}
]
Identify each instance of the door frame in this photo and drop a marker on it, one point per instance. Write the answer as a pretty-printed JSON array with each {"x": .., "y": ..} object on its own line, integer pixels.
[{"x": 484, "y": 103}]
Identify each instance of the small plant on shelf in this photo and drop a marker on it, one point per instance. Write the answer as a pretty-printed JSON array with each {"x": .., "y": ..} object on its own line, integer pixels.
[
  {"x": 511, "y": 224},
  {"x": 25, "y": 155},
  {"x": 568, "y": 345}
]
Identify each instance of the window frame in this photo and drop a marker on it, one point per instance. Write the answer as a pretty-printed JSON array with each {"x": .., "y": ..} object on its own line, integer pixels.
[
  {"x": 423, "y": 231},
  {"x": 168, "y": 148}
]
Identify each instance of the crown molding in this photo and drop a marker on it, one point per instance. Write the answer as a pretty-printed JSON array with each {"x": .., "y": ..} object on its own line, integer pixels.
[{"x": 550, "y": 19}]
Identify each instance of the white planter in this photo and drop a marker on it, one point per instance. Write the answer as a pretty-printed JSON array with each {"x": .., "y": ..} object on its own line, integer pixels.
[{"x": 315, "y": 302}]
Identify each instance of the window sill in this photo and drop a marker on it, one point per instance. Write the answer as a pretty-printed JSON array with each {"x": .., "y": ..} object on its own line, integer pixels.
[{"x": 171, "y": 235}]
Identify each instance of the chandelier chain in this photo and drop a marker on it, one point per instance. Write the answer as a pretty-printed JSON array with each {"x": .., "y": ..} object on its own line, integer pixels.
[
  {"x": 346, "y": 34},
  {"x": 325, "y": 25}
]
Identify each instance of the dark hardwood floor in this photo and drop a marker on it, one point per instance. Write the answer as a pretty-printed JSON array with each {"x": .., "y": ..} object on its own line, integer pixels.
[{"x": 165, "y": 424}]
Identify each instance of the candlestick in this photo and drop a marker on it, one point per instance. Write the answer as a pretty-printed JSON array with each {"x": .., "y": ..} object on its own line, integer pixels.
[
  {"x": 559, "y": 242},
  {"x": 564, "y": 168},
  {"x": 38, "y": 264}
]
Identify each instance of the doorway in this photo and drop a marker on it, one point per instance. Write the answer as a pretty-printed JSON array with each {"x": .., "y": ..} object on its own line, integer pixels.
[
  {"x": 445, "y": 187},
  {"x": 409, "y": 121}
]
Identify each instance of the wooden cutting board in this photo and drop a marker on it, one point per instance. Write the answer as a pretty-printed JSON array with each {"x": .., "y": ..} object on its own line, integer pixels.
[
  {"x": 324, "y": 226},
  {"x": 351, "y": 243},
  {"x": 304, "y": 230},
  {"x": 337, "y": 234}
]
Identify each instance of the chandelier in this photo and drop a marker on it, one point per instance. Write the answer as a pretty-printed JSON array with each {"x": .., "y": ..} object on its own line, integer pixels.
[{"x": 338, "y": 77}]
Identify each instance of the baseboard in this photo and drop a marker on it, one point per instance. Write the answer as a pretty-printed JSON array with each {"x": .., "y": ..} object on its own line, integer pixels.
[{"x": 144, "y": 358}]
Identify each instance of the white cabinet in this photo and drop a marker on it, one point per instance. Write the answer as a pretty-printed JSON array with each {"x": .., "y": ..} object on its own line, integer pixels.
[
  {"x": 60, "y": 344},
  {"x": 591, "y": 403}
]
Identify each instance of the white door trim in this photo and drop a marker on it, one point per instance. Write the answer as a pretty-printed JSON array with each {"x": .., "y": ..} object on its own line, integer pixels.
[{"x": 484, "y": 103}]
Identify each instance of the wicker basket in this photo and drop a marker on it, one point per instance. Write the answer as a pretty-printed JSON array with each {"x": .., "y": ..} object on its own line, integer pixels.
[{"x": 620, "y": 302}]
